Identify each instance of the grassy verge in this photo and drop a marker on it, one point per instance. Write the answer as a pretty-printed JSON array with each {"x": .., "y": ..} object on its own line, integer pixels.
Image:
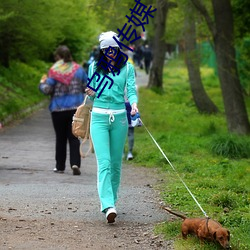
[
  {"x": 19, "y": 88},
  {"x": 212, "y": 163}
]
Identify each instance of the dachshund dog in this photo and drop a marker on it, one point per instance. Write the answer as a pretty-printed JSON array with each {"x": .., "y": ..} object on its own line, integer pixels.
[{"x": 204, "y": 229}]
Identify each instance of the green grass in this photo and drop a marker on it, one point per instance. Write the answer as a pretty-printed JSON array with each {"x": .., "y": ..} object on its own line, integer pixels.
[
  {"x": 19, "y": 88},
  {"x": 214, "y": 164}
]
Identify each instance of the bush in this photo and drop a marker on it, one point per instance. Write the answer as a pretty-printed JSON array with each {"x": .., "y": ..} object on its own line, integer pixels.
[
  {"x": 19, "y": 88},
  {"x": 224, "y": 200},
  {"x": 231, "y": 146}
]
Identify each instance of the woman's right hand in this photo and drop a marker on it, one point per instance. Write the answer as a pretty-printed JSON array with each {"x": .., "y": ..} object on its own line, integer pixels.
[{"x": 90, "y": 92}]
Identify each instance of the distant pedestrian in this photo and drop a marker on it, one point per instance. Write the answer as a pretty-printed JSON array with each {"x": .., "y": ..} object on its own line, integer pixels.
[
  {"x": 131, "y": 53},
  {"x": 93, "y": 55},
  {"x": 147, "y": 54},
  {"x": 138, "y": 52},
  {"x": 65, "y": 84}
]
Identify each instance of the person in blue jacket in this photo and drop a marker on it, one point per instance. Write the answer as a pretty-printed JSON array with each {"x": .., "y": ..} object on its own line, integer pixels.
[
  {"x": 65, "y": 83},
  {"x": 109, "y": 124}
]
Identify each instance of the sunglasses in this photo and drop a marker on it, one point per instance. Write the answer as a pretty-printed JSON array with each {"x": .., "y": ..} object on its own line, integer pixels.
[{"x": 108, "y": 51}]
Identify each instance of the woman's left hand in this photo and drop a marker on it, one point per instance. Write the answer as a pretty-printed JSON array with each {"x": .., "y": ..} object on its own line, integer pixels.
[{"x": 134, "y": 109}]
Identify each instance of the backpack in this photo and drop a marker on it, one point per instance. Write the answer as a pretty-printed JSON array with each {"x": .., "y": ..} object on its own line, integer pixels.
[{"x": 81, "y": 126}]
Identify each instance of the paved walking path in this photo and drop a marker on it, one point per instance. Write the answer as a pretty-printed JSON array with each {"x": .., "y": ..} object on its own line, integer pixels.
[
  {"x": 31, "y": 191},
  {"x": 141, "y": 78}
]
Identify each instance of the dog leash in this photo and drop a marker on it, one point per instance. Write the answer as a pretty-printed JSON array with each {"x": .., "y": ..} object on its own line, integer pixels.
[{"x": 174, "y": 170}]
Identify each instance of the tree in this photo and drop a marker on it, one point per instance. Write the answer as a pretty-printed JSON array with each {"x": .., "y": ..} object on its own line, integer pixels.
[
  {"x": 28, "y": 33},
  {"x": 111, "y": 14},
  {"x": 161, "y": 35},
  {"x": 241, "y": 17},
  {"x": 159, "y": 44},
  {"x": 201, "y": 99},
  {"x": 24, "y": 32},
  {"x": 242, "y": 33},
  {"x": 223, "y": 38}
]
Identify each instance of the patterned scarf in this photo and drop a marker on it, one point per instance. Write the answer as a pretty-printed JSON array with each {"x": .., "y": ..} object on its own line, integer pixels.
[{"x": 63, "y": 72}]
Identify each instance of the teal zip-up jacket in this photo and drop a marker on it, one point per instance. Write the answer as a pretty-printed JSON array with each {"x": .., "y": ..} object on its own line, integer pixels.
[{"x": 113, "y": 98}]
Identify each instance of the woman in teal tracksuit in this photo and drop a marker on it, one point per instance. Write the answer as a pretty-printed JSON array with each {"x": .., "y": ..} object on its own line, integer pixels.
[{"x": 109, "y": 123}]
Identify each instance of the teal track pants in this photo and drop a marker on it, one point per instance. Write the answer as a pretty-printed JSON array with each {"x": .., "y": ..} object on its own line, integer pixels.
[{"x": 108, "y": 139}]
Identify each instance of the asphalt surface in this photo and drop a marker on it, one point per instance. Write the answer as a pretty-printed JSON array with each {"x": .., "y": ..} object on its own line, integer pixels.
[
  {"x": 31, "y": 190},
  {"x": 26, "y": 164}
]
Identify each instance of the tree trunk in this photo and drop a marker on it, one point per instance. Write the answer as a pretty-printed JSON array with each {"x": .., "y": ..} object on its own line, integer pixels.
[
  {"x": 159, "y": 46},
  {"x": 201, "y": 99},
  {"x": 235, "y": 109}
]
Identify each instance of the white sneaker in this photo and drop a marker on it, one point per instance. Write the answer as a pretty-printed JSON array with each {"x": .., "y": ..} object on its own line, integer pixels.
[
  {"x": 58, "y": 171},
  {"x": 130, "y": 156},
  {"x": 111, "y": 214},
  {"x": 76, "y": 170}
]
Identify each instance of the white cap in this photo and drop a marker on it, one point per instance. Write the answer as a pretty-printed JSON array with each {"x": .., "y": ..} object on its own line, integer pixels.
[{"x": 106, "y": 39}]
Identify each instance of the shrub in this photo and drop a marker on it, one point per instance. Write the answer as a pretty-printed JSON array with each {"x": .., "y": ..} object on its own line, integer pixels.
[
  {"x": 231, "y": 146},
  {"x": 224, "y": 200}
]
